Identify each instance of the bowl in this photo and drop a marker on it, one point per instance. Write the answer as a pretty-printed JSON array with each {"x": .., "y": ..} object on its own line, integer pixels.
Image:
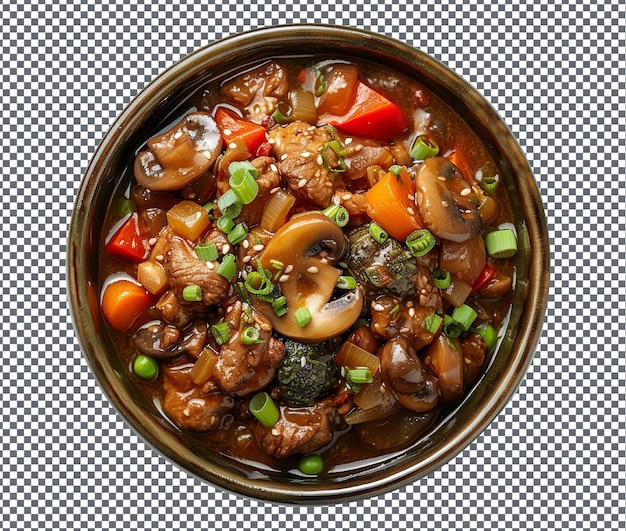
[{"x": 141, "y": 118}]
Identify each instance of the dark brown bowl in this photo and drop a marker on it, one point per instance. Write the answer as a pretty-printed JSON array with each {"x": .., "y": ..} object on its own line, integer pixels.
[{"x": 140, "y": 119}]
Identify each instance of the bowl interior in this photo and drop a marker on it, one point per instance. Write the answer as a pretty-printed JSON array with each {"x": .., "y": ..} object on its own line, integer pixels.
[{"x": 152, "y": 108}]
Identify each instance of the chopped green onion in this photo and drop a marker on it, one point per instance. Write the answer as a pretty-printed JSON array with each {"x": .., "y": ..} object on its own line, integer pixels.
[
  {"x": 125, "y": 207},
  {"x": 146, "y": 367},
  {"x": 442, "y": 278},
  {"x": 311, "y": 465},
  {"x": 227, "y": 268},
  {"x": 210, "y": 208},
  {"x": 259, "y": 283},
  {"x": 338, "y": 214},
  {"x": 225, "y": 224},
  {"x": 277, "y": 264},
  {"x": 451, "y": 328},
  {"x": 340, "y": 151},
  {"x": 319, "y": 84},
  {"x": 432, "y": 323},
  {"x": 346, "y": 282},
  {"x": 238, "y": 233},
  {"x": 489, "y": 335},
  {"x": 192, "y": 293},
  {"x": 490, "y": 184},
  {"x": 359, "y": 375},
  {"x": 243, "y": 182},
  {"x": 220, "y": 333},
  {"x": 264, "y": 409},
  {"x": 420, "y": 242},
  {"x": 395, "y": 169},
  {"x": 395, "y": 309},
  {"x": 501, "y": 243},
  {"x": 378, "y": 233},
  {"x": 464, "y": 316},
  {"x": 423, "y": 149},
  {"x": 280, "y": 306},
  {"x": 250, "y": 336},
  {"x": 240, "y": 288},
  {"x": 302, "y": 316},
  {"x": 242, "y": 165},
  {"x": 229, "y": 204},
  {"x": 281, "y": 117},
  {"x": 207, "y": 252}
]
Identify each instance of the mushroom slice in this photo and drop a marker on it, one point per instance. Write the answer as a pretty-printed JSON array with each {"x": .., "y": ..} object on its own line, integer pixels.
[
  {"x": 309, "y": 281},
  {"x": 180, "y": 155},
  {"x": 445, "y": 207}
]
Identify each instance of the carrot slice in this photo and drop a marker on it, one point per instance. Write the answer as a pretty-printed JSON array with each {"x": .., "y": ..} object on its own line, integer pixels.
[
  {"x": 389, "y": 205},
  {"x": 124, "y": 303}
]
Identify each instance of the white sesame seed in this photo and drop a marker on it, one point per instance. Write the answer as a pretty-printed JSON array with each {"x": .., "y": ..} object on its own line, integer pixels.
[
  {"x": 275, "y": 432},
  {"x": 283, "y": 278},
  {"x": 232, "y": 145},
  {"x": 302, "y": 183},
  {"x": 225, "y": 248},
  {"x": 271, "y": 140},
  {"x": 207, "y": 154},
  {"x": 346, "y": 197},
  {"x": 229, "y": 309},
  {"x": 274, "y": 190},
  {"x": 444, "y": 203},
  {"x": 324, "y": 260},
  {"x": 246, "y": 259},
  {"x": 409, "y": 304},
  {"x": 342, "y": 265},
  {"x": 411, "y": 312},
  {"x": 159, "y": 257},
  {"x": 358, "y": 148},
  {"x": 410, "y": 211},
  {"x": 441, "y": 178},
  {"x": 305, "y": 154},
  {"x": 245, "y": 244},
  {"x": 348, "y": 141},
  {"x": 312, "y": 270},
  {"x": 283, "y": 156},
  {"x": 319, "y": 160},
  {"x": 273, "y": 167},
  {"x": 303, "y": 361},
  {"x": 379, "y": 307},
  {"x": 227, "y": 132},
  {"x": 210, "y": 265},
  {"x": 336, "y": 200},
  {"x": 411, "y": 197},
  {"x": 404, "y": 330},
  {"x": 178, "y": 134},
  {"x": 152, "y": 241},
  {"x": 258, "y": 247},
  {"x": 288, "y": 269},
  {"x": 466, "y": 191}
]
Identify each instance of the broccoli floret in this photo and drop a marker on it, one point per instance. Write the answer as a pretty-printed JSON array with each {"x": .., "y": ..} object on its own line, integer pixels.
[{"x": 306, "y": 372}]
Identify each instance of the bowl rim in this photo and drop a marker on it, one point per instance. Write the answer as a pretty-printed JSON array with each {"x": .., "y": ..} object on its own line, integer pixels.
[{"x": 167, "y": 444}]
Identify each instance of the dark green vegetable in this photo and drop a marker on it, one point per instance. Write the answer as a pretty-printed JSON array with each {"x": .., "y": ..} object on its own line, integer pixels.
[
  {"x": 389, "y": 265},
  {"x": 306, "y": 372}
]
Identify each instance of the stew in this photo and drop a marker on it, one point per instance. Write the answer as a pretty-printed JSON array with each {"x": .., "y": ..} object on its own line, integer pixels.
[{"x": 310, "y": 266}]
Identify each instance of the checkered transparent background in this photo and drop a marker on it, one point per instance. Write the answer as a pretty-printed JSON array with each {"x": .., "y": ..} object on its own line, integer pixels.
[{"x": 555, "y": 458}]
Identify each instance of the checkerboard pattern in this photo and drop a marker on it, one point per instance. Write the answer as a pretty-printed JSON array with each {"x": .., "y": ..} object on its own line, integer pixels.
[{"x": 555, "y": 458}]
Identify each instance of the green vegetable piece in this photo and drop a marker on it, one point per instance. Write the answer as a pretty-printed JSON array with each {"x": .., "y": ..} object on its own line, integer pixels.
[
  {"x": 264, "y": 409},
  {"x": 423, "y": 149},
  {"x": 489, "y": 335},
  {"x": 192, "y": 293},
  {"x": 146, "y": 367},
  {"x": 220, "y": 333},
  {"x": 311, "y": 465},
  {"x": 501, "y": 243},
  {"x": 420, "y": 242},
  {"x": 207, "y": 252}
]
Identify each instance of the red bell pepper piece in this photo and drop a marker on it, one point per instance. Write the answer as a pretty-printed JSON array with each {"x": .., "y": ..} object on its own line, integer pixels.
[
  {"x": 483, "y": 277},
  {"x": 129, "y": 241},
  {"x": 371, "y": 115},
  {"x": 233, "y": 126}
]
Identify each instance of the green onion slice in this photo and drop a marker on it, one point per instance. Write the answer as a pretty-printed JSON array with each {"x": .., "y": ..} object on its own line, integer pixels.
[
  {"x": 229, "y": 204},
  {"x": 451, "y": 328},
  {"x": 359, "y": 375},
  {"x": 192, "y": 293},
  {"x": 238, "y": 233},
  {"x": 210, "y": 208},
  {"x": 280, "y": 306},
  {"x": 243, "y": 181},
  {"x": 264, "y": 409},
  {"x": 125, "y": 207},
  {"x": 227, "y": 268},
  {"x": 395, "y": 169},
  {"x": 250, "y": 336},
  {"x": 220, "y": 333},
  {"x": 420, "y": 242},
  {"x": 464, "y": 315},
  {"x": 338, "y": 214},
  {"x": 442, "y": 278},
  {"x": 489, "y": 335},
  {"x": 490, "y": 184},
  {"x": 207, "y": 252},
  {"x": 259, "y": 283},
  {"x": 432, "y": 323},
  {"x": 346, "y": 282},
  {"x": 283, "y": 113},
  {"x": 423, "y": 149},
  {"x": 378, "y": 233},
  {"x": 225, "y": 224},
  {"x": 340, "y": 151},
  {"x": 319, "y": 84},
  {"x": 501, "y": 243},
  {"x": 302, "y": 316}
]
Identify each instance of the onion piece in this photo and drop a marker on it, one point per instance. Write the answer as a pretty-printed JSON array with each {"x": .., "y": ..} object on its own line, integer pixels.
[
  {"x": 457, "y": 292},
  {"x": 276, "y": 210},
  {"x": 387, "y": 407},
  {"x": 303, "y": 106},
  {"x": 371, "y": 395},
  {"x": 398, "y": 429},
  {"x": 353, "y": 356}
]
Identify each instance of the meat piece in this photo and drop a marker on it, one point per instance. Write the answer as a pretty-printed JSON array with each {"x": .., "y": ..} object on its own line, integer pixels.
[
  {"x": 300, "y": 430},
  {"x": 259, "y": 90},
  {"x": 251, "y": 248},
  {"x": 188, "y": 406},
  {"x": 392, "y": 319},
  {"x": 426, "y": 294},
  {"x": 173, "y": 311},
  {"x": 243, "y": 369},
  {"x": 474, "y": 350},
  {"x": 298, "y": 150},
  {"x": 184, "y": 268},
  {"x": 267, "y": 180}
]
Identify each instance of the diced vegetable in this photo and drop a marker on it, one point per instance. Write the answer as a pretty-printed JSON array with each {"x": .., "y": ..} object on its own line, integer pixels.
[
  {"x": 371, "y": 115},
  {"x": 152, "y": 276},
  {"x": 234, "y": 127},
  {"x": 420, "y": 242},
  {"x": 123, "y": 304},
  {"x": 389, "y": 205},
  {"x": 188, "y": 219},
  {"x": 485, "y": 276},
  {"x": 129, "y": 241},
  {"x": 340, "y": 89},
  {"x": 350, "y": 355},
  {"x": 203, "y": 368},
  {"x": 264, "y": 409},
  {"x": 303, "y": 106},
  {"x": 423, "y": 149},
  {"x": 276, "y": 210},
  {"x": 457, "y": 292},
  {"x": 501, "y": 243},
  {"x": 458, "y": 158}
]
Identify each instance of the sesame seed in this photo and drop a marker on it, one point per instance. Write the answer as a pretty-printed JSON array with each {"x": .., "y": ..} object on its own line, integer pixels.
[
  {"x": 466, "y": 191},
  {"x": 271, "y": 140},
  {"x": 378, "y": 307},
  {"x": 247, "y": 259},
  {"x": 245, "y": 244},
  {"x": 319, "y": 160},
  {"x": 342, "y": 265},
  {"x": 444, "y": 203},
  {"x": 229, "y": 309},
  {"x": 210, "y": 265},
  {"x": 273, "y": 167},
  {"x": 411, "y": 197},
  {"x": 346, "y": 197},
  {"x": 302, "y": 183},
  {"x": 441, "y": 178},
  {"x": 258, "y": 247},
  {"x": 288, "y": 269},
  {"x": 275, "y": 432},
  {"x": 348, "y": 141},
  {"x": 283, "y": 156},
  {"x": 207, "y": 154},
  {"x": 303, "y": 361},
  {"x": 467, "y": 361},
  {"x": 323, "y": 253},
  {"x": 313, "y": 270},
  {"x": 283, "y": 278},
  {"x": 227, "y": 132},
  {"x": 411, "y": 312},
  {"x": 305, "y": 154},
  {"x": 409, "y": 304},
  {"x": 410, "y": 211},
  {"x": 152, "y": 241},
  {"x": 232, "y": 145},
  {"x": 358, "y": 148},
  {"x": 274, "y": 190},
  {"x": 159, "y": 257},
  {"x": 225, "y": 248},
  {"x": 404, "y": 330},
  {"x": 178, "y": 134},
  {"x": 336, "y": 200}
]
